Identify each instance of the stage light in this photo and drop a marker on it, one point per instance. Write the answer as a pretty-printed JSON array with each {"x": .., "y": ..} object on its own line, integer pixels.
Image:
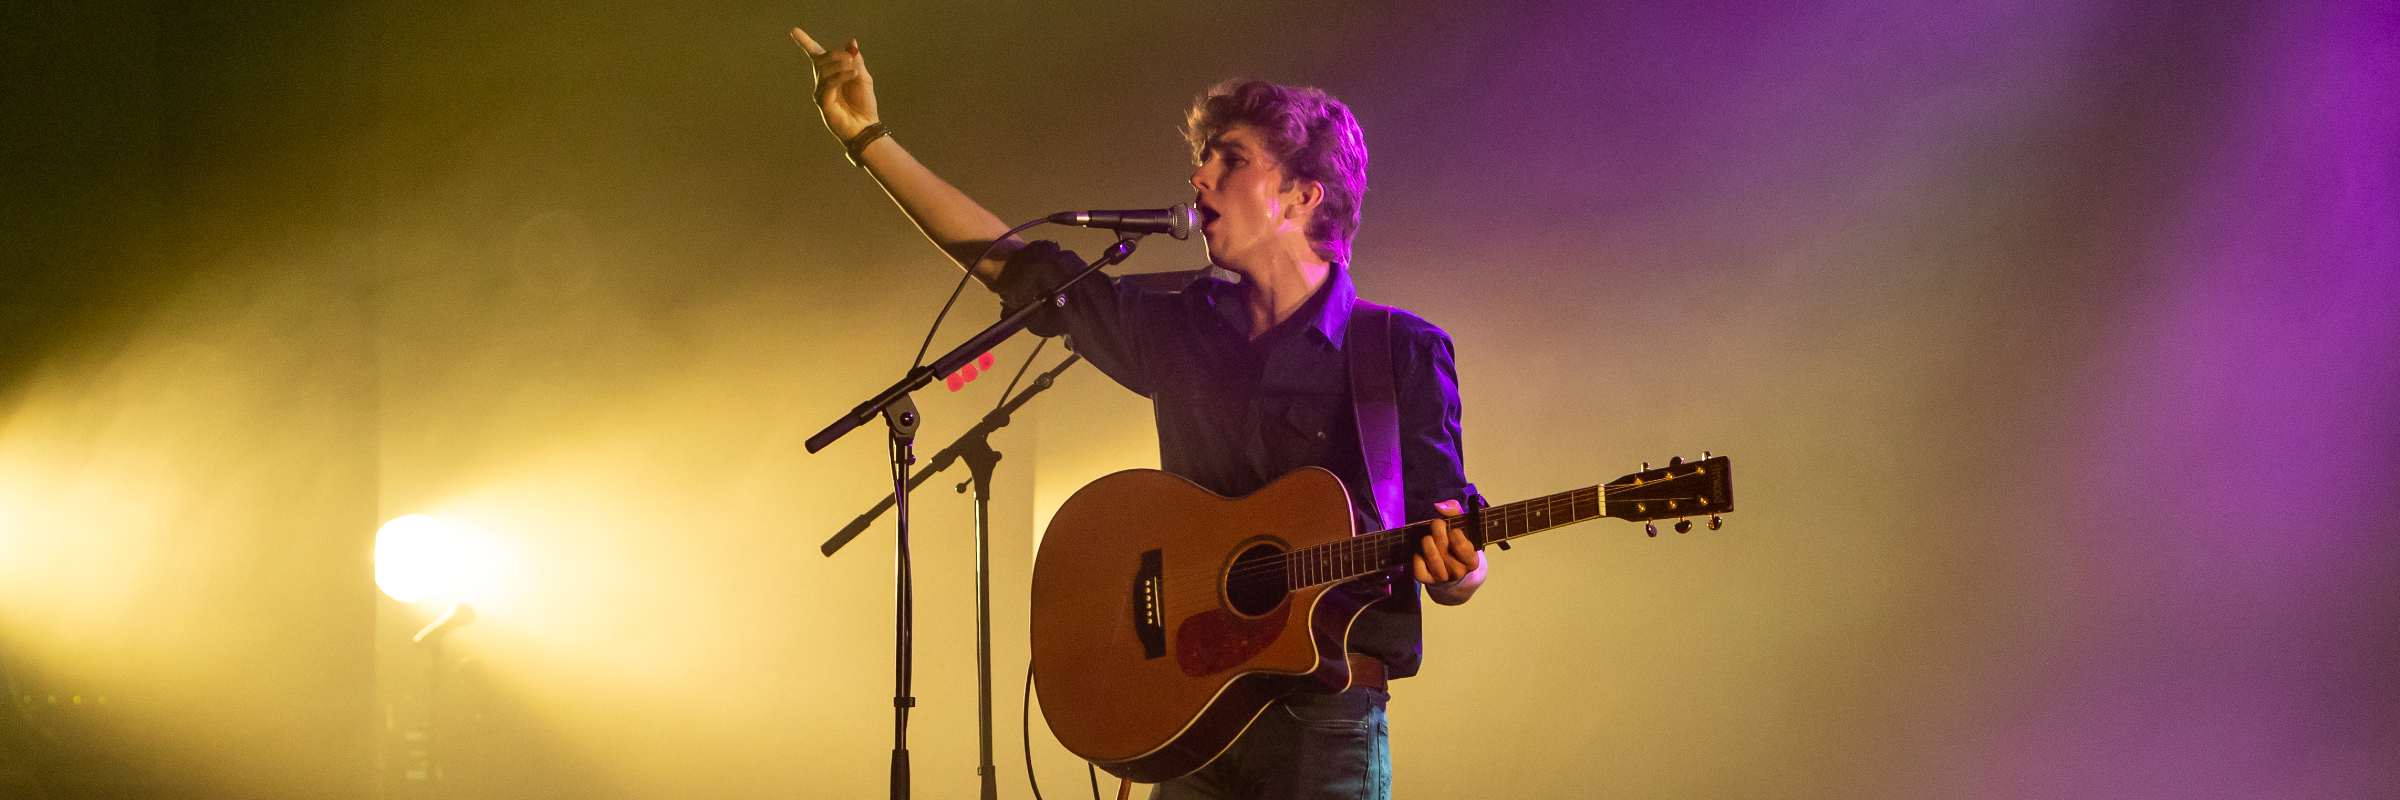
[{"x": 415, "y": 558}]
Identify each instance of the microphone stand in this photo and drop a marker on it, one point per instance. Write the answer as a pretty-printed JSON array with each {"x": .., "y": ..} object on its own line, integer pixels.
[
  {"x": 966, "y": 351},
  {"x": 973, "y": 447},
  {"x": 900, "y": 413}
]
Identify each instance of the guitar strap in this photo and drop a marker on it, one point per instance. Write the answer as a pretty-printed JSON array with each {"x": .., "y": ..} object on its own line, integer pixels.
[{"x": 1375, "y": 401}]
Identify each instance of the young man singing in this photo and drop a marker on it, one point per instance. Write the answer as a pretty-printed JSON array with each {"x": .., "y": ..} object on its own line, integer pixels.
[{"x": 1248, "y": 376}]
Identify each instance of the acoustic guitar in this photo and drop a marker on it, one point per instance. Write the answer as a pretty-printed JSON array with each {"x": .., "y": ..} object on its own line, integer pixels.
[{"x": 1166, "y": 617}]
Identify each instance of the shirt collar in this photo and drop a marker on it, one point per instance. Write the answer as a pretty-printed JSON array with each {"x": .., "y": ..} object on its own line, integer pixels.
[
  {"x": 1332, "y": 318},
  {"x": 1340, "y": 296}
]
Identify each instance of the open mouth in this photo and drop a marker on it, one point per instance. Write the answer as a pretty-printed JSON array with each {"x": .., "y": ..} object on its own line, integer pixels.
[{"x": 1207, "y": 215}]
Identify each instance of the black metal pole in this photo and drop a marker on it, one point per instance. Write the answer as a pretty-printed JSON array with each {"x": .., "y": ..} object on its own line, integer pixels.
[
  {"x": 901, "y": 415},
  {"x": 981, "y": 459}
]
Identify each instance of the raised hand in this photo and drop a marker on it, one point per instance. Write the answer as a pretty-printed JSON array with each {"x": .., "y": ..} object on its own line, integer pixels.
[
  {"x": 962, "y": 228},
  {"x": 845, "y": 92}
]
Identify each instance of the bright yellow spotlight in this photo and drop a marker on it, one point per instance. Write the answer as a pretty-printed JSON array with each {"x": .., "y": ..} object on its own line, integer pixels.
[{"x": 415, "y": 558}]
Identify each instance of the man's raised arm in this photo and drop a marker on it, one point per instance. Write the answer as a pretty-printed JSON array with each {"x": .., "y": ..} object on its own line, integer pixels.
[{"x": 845, "y": 96}]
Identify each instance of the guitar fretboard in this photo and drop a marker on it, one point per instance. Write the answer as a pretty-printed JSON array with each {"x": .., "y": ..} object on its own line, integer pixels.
[{"x": 1375, "y": 552}]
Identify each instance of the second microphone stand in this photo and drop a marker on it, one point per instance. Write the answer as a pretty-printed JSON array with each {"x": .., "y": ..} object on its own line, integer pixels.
[
  {"x": 900, "y": 414},
  {"x": 975, "y": 449}
]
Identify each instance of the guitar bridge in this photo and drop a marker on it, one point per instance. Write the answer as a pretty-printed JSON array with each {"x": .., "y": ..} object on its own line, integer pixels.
[{"x": 1150, "y": 605}]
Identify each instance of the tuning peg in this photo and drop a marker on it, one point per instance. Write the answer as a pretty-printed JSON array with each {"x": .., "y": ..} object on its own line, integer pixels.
[
  {"x": 1683, "y": 526},
  {"x": 1650, "y": 528},
  {"x": 1706, "y": 455},
  {"x": 1645, "y": 466},
  {"x": 1675, "y": 462},
  {"x": 1716, "y": 521}
]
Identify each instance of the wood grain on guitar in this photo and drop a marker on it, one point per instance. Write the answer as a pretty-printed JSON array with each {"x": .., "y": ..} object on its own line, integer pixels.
[{"x": 1143, "y": 554}]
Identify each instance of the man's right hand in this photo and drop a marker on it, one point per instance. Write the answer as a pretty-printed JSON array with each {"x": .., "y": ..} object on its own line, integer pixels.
[
  {"x": 846, "y": 98},
  {"x": 845, "y": 92}
]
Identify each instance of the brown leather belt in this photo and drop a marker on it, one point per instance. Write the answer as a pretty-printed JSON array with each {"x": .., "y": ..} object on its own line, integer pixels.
[{"x": 1367, "y": 671}]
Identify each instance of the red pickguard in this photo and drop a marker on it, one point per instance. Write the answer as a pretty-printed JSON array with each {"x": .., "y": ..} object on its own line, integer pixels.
[{"x": 1214, "y": 641}]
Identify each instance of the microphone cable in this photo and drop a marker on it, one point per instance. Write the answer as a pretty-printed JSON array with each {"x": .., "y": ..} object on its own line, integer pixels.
[
  {"x": 1012, "y": 381},
  {"x": 919, "y": 361},
  {"x": 1025, "y": 731}
]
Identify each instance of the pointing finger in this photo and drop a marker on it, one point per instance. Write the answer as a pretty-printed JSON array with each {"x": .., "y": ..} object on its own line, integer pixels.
[{"x": 801, "y": 37}]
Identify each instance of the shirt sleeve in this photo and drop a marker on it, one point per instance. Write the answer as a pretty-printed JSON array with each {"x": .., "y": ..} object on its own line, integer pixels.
[
  {"x": 1098, "y": 319},
  {"x": 1432, "y": 463}
]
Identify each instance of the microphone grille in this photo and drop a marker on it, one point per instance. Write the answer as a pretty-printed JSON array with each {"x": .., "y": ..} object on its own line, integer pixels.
[{"x": 1182, "y": 219}]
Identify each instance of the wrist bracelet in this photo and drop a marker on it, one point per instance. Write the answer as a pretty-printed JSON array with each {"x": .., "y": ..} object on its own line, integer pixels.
[{"x": 857, "y": 146}]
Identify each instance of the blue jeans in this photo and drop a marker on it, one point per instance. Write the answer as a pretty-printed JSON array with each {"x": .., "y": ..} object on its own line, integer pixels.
[{"x": 1304, "y": 747}]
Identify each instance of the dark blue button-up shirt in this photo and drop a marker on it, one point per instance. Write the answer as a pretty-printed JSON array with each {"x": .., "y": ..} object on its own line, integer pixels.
[{"x": 1235, "y": 413}]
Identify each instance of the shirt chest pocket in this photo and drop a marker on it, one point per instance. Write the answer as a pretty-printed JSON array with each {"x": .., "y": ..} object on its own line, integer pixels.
[
  {"x": 1309, "y": 421},
  {"x": 1306, "y": 430}
]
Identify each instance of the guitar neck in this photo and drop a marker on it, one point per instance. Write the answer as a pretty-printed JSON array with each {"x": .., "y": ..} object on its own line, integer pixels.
[
  {"x": 1382, "y": 550},
  {"x": 1677, "y": 490}
]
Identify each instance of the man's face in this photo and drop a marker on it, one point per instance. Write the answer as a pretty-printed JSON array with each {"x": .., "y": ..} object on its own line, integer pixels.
[{"x": 1244, "y": 197}]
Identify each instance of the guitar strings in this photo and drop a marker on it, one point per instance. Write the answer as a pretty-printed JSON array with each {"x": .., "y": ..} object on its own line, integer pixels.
[
  {"x": 1333, "y": 558},
  {"x": 1375, "y": 545},
  {"x": 1328, "y": 558},
  {"x": 1498, "y": 517}
]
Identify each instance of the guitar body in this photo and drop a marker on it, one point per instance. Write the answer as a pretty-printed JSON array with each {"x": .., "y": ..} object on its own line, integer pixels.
[
  {"x": 1149, "y": 654},
  {"x": 1166, "y": 617}
]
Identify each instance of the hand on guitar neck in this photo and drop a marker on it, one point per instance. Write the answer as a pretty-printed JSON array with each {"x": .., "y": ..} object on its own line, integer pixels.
[{"x": 1448, "y": 565}]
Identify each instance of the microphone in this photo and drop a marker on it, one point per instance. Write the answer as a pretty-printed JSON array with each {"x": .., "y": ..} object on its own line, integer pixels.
[{"x": 1177, "y": 222}]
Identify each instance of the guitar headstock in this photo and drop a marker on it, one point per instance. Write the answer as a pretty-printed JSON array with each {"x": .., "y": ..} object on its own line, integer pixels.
[{"x": 1678, "y": 489}]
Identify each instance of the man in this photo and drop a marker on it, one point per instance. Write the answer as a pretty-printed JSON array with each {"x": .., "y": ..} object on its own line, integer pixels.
[{"x": 1248, "y": 378}]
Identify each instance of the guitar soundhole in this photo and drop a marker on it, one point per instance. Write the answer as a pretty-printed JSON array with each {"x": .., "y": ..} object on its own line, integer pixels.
[{"x": 1256, "y": 584}]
